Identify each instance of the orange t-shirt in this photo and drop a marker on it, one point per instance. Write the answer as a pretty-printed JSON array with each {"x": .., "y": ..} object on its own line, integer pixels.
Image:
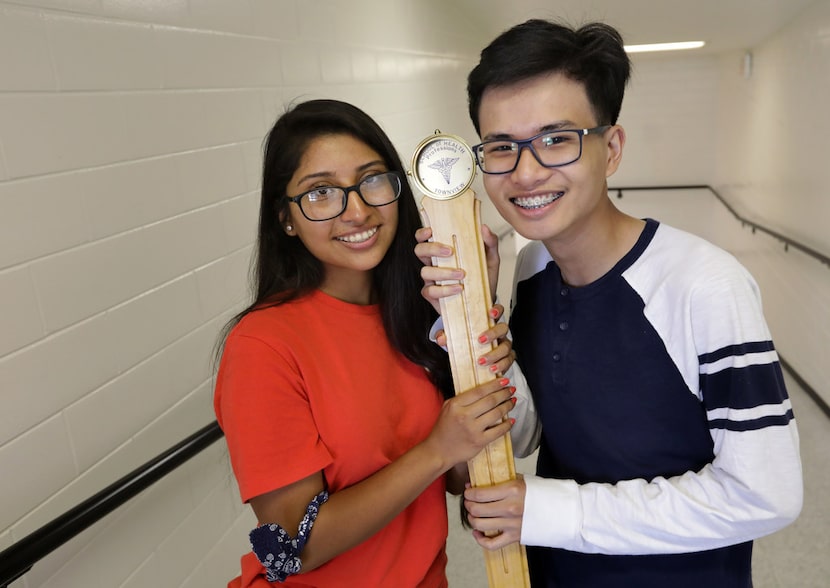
[{"x": 314, "y": 384}]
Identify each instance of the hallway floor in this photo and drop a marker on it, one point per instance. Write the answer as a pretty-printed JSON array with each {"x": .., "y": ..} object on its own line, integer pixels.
[{"x": 797, "y": 556}]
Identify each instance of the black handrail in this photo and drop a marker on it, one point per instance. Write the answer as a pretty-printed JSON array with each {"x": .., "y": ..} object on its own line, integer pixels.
[
  {"x": 20, "y": 557},
  {"x": 811, "y": 392},
  {"x": 755, "y": 226}
]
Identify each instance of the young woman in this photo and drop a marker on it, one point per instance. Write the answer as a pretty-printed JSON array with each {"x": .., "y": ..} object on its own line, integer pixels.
[{"x": 338, "y": 411}]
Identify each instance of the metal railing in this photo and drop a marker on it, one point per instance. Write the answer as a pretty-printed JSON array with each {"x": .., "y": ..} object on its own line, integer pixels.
[
  {"x": 20, "y": 557},
  {"x": 744, "y": 221}
]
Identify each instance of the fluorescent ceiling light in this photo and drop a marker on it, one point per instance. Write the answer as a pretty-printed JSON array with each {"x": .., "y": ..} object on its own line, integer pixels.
[{"x": 664, "y": 46}]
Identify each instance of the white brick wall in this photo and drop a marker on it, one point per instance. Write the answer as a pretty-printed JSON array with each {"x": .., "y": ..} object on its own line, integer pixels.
[
  {"x": 130, "y": 137},
  {"x": 129, "y": 166}
]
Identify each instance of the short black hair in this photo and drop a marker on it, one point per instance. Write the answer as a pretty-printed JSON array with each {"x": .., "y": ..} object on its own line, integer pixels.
[{"x": 592, "y": 55}]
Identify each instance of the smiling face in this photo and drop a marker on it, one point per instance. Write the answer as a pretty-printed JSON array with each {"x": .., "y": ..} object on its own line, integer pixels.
[
  {"x": 558, "y": 206},
  {"x": 351, "y": 245}
]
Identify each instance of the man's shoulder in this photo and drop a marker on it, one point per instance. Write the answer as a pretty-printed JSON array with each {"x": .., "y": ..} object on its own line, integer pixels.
[
  {"x": 673, "y": 251},
  {"x": 685, "y": 260}
]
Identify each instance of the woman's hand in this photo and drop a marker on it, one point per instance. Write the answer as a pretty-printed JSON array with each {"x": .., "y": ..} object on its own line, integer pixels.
[
  {"x": 501, "y": 356},
  {"x": 439, "y": 282},
  {"x": 470, "y": 421}
]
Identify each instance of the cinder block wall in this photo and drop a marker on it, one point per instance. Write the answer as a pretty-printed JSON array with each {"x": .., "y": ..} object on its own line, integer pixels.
[{"x": 130, "y": 136}]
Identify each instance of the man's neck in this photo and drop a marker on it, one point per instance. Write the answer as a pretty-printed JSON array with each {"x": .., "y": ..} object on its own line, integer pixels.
[{"x": 591, "y": 250}]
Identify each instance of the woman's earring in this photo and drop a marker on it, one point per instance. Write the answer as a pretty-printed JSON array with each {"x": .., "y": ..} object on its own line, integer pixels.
[{"x": 289, "y": 228}]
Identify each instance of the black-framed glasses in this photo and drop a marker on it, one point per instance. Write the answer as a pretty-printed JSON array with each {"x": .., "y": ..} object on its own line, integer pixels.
[
  {"x": 328, "y": 202},
  {"x": 551, "y": 149}
]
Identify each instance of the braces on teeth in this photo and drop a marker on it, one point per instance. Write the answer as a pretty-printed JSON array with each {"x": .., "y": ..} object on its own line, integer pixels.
[{"x": 537, "y": 201}]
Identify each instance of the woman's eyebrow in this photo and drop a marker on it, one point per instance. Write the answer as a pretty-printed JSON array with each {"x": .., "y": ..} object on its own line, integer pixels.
[{"x": 329, "y": 174}]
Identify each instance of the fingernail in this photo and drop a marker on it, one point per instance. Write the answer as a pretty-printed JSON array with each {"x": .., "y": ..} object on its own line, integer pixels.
[
  {"x": 494, "y": 368},
  {"x": 481, "y": 361},
  {"x": 494, "y": 313},
  {"x": 512, "y": 421},
  {"x": 514, "y": 399},
  {"x": 482, "y": 339},
  {"x": 504, "y": 381},
  {"x": 513, "y": 390}
]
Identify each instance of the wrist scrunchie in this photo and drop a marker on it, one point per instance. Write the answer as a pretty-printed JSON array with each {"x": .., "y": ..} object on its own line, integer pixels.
[{"x": 277, "y": 551}]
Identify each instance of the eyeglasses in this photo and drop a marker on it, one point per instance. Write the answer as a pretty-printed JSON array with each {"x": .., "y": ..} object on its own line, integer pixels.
[
  {"x": 551, "y": 149},
  {"x": 328, "y": 202}
]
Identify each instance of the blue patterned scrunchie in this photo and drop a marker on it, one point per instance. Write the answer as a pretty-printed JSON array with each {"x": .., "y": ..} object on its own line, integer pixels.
[{"x": 277, "y": 551}]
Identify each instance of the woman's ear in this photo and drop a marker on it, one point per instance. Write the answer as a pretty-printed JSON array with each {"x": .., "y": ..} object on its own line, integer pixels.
[{"x": 287, "y": 225}]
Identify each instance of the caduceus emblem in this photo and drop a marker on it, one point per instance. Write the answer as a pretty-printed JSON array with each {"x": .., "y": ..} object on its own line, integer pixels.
[{"x": 444, "y": 167}]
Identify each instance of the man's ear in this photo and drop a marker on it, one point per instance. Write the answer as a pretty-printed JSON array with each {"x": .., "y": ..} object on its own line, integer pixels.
[{"x": 616, "y": 142}]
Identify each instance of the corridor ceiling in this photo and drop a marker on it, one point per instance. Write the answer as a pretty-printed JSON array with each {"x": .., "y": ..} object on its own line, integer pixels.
[{"x": 725, "y": 25}]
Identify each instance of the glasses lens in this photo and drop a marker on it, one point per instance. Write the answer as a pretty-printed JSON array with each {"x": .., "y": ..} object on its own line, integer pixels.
[
  {"x": 497, "y": 156},
  {"x": 559, "y": 148},
  {"x": 322, "y": 203},
  {"x": 381, "y": 189},
  {"x": 551, "y": 150}
]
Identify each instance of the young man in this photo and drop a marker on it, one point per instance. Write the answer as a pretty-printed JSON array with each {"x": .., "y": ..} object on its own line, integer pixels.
[{"x": 668, "y": 440}]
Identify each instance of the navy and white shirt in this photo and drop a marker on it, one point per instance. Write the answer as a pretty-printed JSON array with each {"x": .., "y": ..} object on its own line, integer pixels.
[{"x": 668, "y": 440}]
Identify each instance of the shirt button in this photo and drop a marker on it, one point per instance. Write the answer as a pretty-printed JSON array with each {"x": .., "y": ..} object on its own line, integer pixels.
[
  {"x": 563, "y": 326},
  {"x": 563, "y": 291},
  {"x": 556, "y": 357}
]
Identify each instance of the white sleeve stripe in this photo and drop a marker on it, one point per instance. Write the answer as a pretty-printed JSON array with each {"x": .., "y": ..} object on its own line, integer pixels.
[
  {"x": 739, "y": 361},
  {"x": 749, "y": 414}
]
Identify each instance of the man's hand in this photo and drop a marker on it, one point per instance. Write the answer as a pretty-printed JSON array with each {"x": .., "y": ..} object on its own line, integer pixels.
[{"x": 495, "y": 513}]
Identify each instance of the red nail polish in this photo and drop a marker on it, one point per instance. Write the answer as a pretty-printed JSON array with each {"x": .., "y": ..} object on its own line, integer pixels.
[
  {"x": 513, "y": 400},
  {"x": 504, "y": 381},
  {"x": 512, "y": 421},
  {"x": 494, "y": 313},
  {"x": 513, "y": 390},
  {"x": 482, "y": 339},
  {"x": 494, "y": 368},
  {"x": 481, "y": 361}
]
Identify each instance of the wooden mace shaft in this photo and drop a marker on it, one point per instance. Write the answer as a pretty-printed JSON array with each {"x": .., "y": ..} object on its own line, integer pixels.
[{"x": 457, "y": 222}]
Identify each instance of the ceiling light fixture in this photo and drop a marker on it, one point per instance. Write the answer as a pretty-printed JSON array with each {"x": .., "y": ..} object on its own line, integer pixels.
[{"x": 664, "y": 46}]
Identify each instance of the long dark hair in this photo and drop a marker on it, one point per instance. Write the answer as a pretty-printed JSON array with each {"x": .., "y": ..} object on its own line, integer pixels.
[{"x": 284, "y": 269}]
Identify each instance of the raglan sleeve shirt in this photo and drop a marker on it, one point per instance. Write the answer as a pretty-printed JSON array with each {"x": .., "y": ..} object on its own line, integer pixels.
[{"x": 715, "y": 333}]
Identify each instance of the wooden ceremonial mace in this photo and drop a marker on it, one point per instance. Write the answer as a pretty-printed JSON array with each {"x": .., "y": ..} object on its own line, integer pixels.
[{"x": 443, "y": 167}]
